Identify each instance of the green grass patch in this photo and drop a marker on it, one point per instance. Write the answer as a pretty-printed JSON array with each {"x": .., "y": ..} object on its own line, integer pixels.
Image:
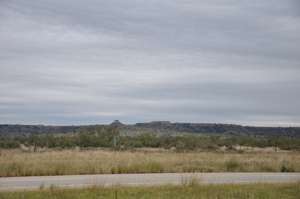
[{"x": 191, "y": 191}]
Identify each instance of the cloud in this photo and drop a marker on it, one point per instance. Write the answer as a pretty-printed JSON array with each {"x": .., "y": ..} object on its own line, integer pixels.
[{"x": 75, "y": 62}]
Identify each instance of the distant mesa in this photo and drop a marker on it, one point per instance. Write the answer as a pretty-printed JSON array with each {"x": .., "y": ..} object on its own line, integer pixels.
[
  {"x": 160, "y": 122},
  {"x": 116, "y": 123},
  {"x": 159, "y": 127}
]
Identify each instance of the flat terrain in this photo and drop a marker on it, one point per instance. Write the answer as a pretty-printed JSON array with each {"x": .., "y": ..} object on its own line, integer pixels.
[
  {"x": 191, "y": 191},
  {"x": 13, "y": 183},
  {"x": 76, "y": 162}
]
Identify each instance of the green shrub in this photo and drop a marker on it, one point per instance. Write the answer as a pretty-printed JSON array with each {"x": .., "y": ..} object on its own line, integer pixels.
[
  {"x": 232, "y": 165},
  {"x": 285, "y": 168}
]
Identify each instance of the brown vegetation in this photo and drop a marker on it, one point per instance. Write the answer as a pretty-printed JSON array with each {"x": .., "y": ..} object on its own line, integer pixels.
[{"x": 66, "y": 162}]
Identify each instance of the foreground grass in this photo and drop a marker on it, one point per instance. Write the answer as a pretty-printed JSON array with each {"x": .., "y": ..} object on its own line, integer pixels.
[
  {"x": 66, "y": 162},
  {"x": 254, "y": 191}
]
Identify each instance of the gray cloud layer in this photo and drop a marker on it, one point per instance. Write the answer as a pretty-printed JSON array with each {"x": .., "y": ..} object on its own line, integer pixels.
[{"x": 77, "y": 62}]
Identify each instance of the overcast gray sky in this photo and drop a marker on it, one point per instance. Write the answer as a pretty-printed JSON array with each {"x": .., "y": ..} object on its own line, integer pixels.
[{"x": 92, "y": 61}]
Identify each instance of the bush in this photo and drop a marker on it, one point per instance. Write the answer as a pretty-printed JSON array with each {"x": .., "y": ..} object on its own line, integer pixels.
[
  {"x": 232, "y": 165},
  {"x": 285, "y": 168}
]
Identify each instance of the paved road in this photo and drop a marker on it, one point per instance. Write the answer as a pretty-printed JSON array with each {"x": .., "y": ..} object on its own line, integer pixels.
[{"x": 14, "y": 183}]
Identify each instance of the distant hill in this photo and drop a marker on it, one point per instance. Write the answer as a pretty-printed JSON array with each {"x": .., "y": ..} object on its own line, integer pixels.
[
  {"x": 159, "y": 127},
  {"x": 221, "y": 128},
  {"x": 27, "y": 129}
]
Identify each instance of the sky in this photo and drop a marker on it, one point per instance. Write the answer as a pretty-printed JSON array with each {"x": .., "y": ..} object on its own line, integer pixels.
[{"x": 68, "y": 62}]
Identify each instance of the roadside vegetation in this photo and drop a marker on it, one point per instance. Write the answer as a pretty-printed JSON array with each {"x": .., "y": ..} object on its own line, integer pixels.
[
  {"x": 103, "y": 150},
  {"x": 15, "y": 162},
  {"x": 110, "y": 137},
  {"x": 253, "y": 191}
]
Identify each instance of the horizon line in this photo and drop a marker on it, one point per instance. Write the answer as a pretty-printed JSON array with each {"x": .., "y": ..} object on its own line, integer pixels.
[{"x": 172, "y": 122}]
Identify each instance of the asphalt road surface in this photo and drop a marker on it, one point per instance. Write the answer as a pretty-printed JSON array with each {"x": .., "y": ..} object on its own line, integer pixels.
[{"x": 17, "y": 183}]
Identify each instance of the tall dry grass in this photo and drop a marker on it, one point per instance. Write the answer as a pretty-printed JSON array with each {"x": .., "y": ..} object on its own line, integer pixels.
[{"x": 66, "y": 162}]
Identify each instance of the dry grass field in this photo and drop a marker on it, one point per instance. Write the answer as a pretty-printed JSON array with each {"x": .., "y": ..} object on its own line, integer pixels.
[
  {"x": 253, "y": 191},
  {"x": 67, "y": 162}
]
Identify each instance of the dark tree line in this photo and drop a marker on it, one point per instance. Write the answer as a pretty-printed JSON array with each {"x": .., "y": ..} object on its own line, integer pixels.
[{"x": 110, "y": 137}]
